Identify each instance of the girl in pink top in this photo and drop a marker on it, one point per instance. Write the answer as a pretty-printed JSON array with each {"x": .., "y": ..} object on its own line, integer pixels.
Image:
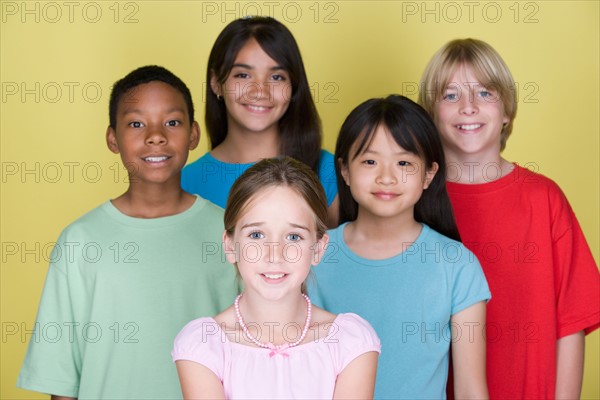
[{"x": 272, "y": 343}]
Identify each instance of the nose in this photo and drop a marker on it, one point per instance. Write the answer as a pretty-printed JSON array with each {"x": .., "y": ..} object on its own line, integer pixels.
[
  {"x": 156, "y": 136},
  {"x": 256, "y": 91},
  {"x": 386, "y": 175},
  {"x": 274, "y": 252},
  {"x": 467, "y": 104}
]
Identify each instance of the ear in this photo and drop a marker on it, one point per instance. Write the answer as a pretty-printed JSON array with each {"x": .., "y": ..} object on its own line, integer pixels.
[
  {"x": 430, "y": 174},
  {"x": 344, "y": 171},
  {"x": 320, "y": 248},
  {"x": 194, "y": 136},
  {"x": 505, "y": 121},
  {"x": 229, "y": 249},
  {"x": 111, "y": 140},
  {"x": 214, "y": 84}
]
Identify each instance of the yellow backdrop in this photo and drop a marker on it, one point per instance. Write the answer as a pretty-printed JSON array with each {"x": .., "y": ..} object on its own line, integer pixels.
[{"x": 59, "y": 60}]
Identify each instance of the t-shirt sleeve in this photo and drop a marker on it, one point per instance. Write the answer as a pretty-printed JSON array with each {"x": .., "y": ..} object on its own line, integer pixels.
[
  {"x": 327, "y": 176},
  {"x": 202, "y": 341},
  {"x": 577, "y": 281},
  {"x": 351, "y": 336},
  {"x": 470, "y": 285},
  {"x": 52, "y": 364}
]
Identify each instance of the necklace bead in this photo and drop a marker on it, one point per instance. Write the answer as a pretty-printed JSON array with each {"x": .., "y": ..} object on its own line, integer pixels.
[{"x": 275, "y": 349}]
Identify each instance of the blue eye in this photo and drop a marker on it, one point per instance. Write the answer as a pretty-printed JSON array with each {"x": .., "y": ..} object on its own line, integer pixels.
[
  {"x": 294, "y": 237},
  {"x": 256, "y": 235},
  {"x": 451, "y": 97}
]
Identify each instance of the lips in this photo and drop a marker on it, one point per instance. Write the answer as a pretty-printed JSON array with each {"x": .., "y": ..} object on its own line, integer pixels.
[
  {"x": 257, "y": 109},
  {"x": 385, "y": 195},
  {"x": 273, "y": 277},
  {"x": 155, "y": 159},
  {"x": 468, "y": 127}
]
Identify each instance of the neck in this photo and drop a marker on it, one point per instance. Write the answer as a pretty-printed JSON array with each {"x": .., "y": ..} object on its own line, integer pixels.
[
  {"x": 273, "y": 318},
  {"x": 381, "y": 237},
  {"x": 153, "y": 201},
  {"x": 475, "y": 169},
  {"x": 257, "y": 309},
  {"x": 247, "y": 147}
]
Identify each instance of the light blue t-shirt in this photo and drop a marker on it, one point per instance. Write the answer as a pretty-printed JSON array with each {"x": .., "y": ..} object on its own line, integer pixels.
[
  {"x": 409, "y": 300},
  {"x": 212, "y": 179}
]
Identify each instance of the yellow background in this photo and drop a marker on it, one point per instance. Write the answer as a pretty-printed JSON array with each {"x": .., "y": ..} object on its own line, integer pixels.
[{"x": 58, "y": 62}]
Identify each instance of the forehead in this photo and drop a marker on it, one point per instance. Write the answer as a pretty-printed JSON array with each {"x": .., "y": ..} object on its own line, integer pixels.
[
  {"x": 465, "y": 75},
  {"x": 252, "y": 53},
  {"x": 276, "y": 204},
  {"x": 152, "y": 95}
]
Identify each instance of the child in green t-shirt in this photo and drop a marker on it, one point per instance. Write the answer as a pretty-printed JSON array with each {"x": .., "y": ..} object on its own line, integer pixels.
[{"x": 126, "y": 277}]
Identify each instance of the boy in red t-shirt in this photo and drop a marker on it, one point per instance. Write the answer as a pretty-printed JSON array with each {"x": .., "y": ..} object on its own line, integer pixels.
[{"x": 544, "y": 281}]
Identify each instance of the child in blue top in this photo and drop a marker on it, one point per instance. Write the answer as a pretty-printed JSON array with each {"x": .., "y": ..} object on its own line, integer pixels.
[
  {"x": 258, "y": 105},
  {"x": 396, "y": 261}
]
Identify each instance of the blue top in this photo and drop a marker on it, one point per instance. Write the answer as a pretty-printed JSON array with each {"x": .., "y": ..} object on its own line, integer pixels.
[
  {"x": 409, "y": 300},
  {"x": 212, "y": 179}
]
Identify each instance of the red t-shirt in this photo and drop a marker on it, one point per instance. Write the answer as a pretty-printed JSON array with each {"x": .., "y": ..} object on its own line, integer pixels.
[{"x": 544, "y": 281}]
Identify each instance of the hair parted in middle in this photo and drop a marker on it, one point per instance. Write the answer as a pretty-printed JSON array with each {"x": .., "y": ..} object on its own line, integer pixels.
[
  {"x": 278, "y": 171},
  {"x": 412, "y": 129},
  {"x": 300, "y": 126},
  {"x": 488, "y": 67},
  {"x": 273, "y": 172}
]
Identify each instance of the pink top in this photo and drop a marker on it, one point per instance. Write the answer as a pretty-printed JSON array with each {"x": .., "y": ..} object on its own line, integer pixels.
[{"x": 309, "y": 371}]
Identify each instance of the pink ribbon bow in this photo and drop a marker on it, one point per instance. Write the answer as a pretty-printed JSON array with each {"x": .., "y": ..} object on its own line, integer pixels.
[{"x": 278, "y": 350}]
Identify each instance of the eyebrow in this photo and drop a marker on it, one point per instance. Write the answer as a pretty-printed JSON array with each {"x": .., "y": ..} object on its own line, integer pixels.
[
  {"x": 141, "y": 111},
  {"x": 275, "y": 68},
  {"x": 259, "y": 224},
  {"x": 399, "y": 153}
]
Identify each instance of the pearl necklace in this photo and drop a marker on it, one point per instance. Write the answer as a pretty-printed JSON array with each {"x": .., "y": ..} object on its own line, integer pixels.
[{"x": 275, "y": 349}]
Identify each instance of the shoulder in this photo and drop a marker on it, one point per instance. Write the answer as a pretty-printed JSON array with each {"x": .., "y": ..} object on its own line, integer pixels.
[
  {"x": 205, "y": 159},
  {"x": 101, "y": 214},
  {"x": 325, "y": 157},
  {"x": 452, "y": 251},
  {"x": 199, "y": 333},
  {"x": 207, "y": 209},
  {"x": 534, "y": 183},
  {"x": 353, "y": 330}
]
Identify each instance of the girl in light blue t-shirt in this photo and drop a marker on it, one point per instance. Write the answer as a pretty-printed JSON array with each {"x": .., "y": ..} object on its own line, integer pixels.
[{"x": 396, "y": 260}]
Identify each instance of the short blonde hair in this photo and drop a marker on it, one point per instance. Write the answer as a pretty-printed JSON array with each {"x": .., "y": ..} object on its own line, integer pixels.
[{"x": 488, "y": 67}]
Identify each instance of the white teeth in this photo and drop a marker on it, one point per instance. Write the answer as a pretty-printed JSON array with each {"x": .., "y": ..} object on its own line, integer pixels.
[
  {"x": 469, "y": 127},
  {"x": 155, "y": 159},
  {"x": 276, "y": 276},
  {"x": 257, "y": 108}
]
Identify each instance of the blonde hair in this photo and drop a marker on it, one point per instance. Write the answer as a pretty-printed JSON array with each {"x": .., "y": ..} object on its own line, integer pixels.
[{"x": 488, "y": 67}]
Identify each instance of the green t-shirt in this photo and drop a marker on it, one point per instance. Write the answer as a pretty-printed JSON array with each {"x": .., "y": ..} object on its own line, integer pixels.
[{"x": 118, "y": 291}]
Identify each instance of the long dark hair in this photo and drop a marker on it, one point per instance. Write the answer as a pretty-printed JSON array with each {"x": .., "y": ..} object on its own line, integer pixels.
[
  {"x": 300, "y": 126},
  {"x": 414, "y": 131}
]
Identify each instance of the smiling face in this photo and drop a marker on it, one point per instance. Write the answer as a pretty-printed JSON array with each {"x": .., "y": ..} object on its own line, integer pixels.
[
  {"x": 274, "y": 243},
  {"x": 385, "y": 180},
  {"x": 153, "y": 133},
  {"x": 256, "y": 93},
  {"x": 470, "y": 118}
]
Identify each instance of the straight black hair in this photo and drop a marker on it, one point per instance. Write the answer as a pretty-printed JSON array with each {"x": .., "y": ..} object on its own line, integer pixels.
[
  {"x": 300, "y": 126},
  {"x": 147, "y": 74},
  {"x": 414, "y": 131}
]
